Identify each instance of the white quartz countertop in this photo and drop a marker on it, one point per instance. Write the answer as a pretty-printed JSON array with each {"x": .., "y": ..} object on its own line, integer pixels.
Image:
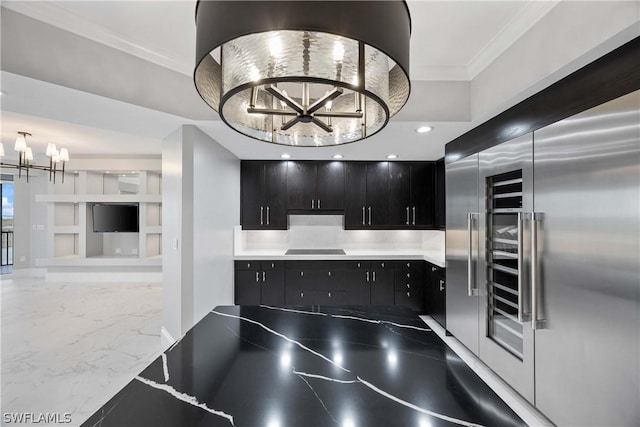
[{"x": 435, "y": 257}]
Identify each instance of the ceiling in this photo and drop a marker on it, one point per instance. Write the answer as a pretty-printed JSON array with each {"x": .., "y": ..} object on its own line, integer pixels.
[{"x": 452, "y": 43}]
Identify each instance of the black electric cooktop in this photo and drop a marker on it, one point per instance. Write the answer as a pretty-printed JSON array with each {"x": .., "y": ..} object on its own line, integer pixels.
[
  {"x": 309, "y": 367},
  {"x": 315, "y": 252}
]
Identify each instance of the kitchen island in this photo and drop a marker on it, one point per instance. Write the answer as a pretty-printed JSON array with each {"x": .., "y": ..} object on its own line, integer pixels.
[{"x": 307, "y": 366}]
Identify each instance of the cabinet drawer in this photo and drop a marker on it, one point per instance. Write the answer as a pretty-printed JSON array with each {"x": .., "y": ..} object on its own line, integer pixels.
[
  {"x": 358, "y": 265},
  {"x": 408, "y": 286},
  {"x": 382, "y": 265},
  {"x": 296, "y": 296},
  {"x": 272, "y": 265},
  {"x": 330, "y": 297},
  {"x": 315, "y": 265},
  {"x": 409, "y": 299},
  {"x": 248, "y": 265}
]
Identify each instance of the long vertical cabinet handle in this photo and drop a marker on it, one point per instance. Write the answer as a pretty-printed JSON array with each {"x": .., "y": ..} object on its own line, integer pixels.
[
  {"x": 535, "y": 219},
  {"x": 521, "y": 315},
  {"x": 261, "y": 215},
  {"x": 369, "y": 215},
  {"x": 363, "y": 215},
  {"x": 318, "y": 203},
  {"x": 470, "y": 275},
  {"x": 264, "y": 276},
  {"x": 407, "y": 215},
  {"x": 367, "y": 276},
  {"x": 257, "y": 276},
  {"x": 414, "y": 215},
  {"x": 374, "y": 276},
  {"x": 313, "y": 204},
  {"x": 268, "y": 215}
]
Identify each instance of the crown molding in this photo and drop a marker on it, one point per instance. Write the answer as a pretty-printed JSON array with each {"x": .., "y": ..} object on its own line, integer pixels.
[
  {"x": 59, "y": 17},
  {"x": 515, "y": 28}
]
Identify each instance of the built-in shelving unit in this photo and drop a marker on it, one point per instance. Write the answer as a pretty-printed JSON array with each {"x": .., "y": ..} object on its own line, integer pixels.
[{"x": 71, "y": 241}]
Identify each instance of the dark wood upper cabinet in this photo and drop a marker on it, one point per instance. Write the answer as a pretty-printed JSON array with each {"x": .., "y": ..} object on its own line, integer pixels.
[
  {"x": 411, "y": 194},
  {"x": 355, "y": 194},
  {"x": 263, "y": 195},
  {"x": 330, "y": 186},
  {"x": 366, "y": 194},
  {"x": 315, "y": 186},
  {"x": 422, "y": 194},
  {"x": 372, "y": 195},
  {"x": 399, "y": 194}
]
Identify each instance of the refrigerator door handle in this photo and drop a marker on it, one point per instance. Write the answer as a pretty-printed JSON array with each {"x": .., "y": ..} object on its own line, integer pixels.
[
  {"x": 470, "y": 269},
  {"x": 536, "y": 218}
]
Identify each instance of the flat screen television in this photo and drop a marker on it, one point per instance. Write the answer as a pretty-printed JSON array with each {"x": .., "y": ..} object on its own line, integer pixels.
[{"x": 115, "y": 218}]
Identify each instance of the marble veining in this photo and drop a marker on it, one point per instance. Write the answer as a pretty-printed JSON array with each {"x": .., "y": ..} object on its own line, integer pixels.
[
  {"x": 307, "y": 366},
  {"x": 67, "y": 348}
]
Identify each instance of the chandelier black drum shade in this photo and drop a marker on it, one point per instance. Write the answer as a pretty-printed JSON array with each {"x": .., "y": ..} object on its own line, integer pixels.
[{"x": 303, "y": 73}]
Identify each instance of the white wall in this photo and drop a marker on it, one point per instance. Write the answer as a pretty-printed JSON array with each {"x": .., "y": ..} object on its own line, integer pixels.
[
  {"x": 172, "y": 233},
  {"x": 200, "y": 207},
  {"x": 559, "y": 44},
  {"x": 216, "y": 210}
]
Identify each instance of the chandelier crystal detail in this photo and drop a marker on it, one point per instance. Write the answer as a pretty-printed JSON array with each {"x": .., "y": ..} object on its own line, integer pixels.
[{"x": 303, "y": 73}]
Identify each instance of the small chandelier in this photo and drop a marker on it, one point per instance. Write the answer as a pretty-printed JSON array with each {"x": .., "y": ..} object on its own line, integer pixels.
[
  {"x": 25, "y": 158},
  {"x": 303, "y": 73}
]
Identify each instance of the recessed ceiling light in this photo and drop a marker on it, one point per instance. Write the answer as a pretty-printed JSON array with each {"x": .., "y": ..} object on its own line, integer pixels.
[
  {"x": 424, "y": 129},
  {"x": 338, "y": 156},
  {"x": 133, "y": 171},
  {"x": 392, "y": 156},
  {"x": 76, "y": 172},
  {"x": 285, "y": 156},
  {"x": 107, "y": 172}
]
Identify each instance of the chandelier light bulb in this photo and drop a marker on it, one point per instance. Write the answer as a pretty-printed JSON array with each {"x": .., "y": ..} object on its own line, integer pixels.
[
  {"x": 1, "y": 150},
  {"x": 28, "y": 154}
]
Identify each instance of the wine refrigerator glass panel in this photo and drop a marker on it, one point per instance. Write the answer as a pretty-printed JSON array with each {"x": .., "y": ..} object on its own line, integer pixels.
[{"x": 504, "y": 247}]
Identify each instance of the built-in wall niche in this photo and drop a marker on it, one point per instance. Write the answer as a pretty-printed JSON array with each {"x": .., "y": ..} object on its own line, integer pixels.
[
  {"x": 154, "y": 244},
  {"x": 154, "y": 214},
  {"x": 154, "y": 183},
  {"x": 116, "y": 183},
  {"x": 65, "y": 214},
  {"x": 65, "y": 245}
]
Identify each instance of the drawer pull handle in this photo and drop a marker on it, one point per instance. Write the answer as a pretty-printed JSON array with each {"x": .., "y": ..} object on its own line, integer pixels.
[
  {"x": 409, "y": 294},
  {"x": 329, "y": 274},
  {"x": 408, "y": 286},
  {"x": 301, "y": 273},
  {"x": 408, "y": 275},
  {"x": 329, "y": 294}
]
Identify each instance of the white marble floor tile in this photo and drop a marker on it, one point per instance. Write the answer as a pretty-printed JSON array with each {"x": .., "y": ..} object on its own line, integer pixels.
[{"x": 68, "y": 348}]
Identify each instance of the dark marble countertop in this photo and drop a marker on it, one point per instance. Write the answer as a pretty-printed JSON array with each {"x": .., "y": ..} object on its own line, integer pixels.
[{"x": 307, "y": 366}]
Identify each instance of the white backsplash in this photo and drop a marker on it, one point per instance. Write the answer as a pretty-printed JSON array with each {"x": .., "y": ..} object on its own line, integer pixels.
[{"x": 327, "y": 232}]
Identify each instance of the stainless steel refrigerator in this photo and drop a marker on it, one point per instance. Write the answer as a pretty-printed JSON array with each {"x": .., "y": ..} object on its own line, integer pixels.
[{"x": 543, "y": 263}]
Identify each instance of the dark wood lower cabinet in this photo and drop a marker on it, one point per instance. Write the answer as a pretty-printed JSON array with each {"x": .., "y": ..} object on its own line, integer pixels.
[
  {"x": 332, "y": 283},
  {"x": 436, "y": 298},
  {"x": 259, "y": 282}
]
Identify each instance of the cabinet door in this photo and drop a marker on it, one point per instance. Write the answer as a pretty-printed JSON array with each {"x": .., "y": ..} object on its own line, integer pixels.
[
  {"x": 275, "y": 215},
  {"x": 330, "y": 186},
  {"x": 382, "y": 283},
  {"x": 439, "y": 214},
  {"x": 422, "y": 194},
  {"x": 399, "y": 194},
  {"x": 301, "y": 186},
  {"x": 355, "y": 195},
  {"x": 248, "y": 286},
  {"x": 330, "y": 297},
  {"x": 377, "y": 193},
  {"x": 272, "y": 287},
  {"x": 439, "y": 297},
  {"x": 252, "y": 209},
  {"x": 359, "y": 287}
]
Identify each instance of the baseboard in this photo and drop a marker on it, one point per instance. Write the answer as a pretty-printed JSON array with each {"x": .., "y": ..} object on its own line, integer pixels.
[
  {"x": 166, "y": 339},
  {"x": 517, "y": 403},
  {"x": 104, "y": 277}
]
